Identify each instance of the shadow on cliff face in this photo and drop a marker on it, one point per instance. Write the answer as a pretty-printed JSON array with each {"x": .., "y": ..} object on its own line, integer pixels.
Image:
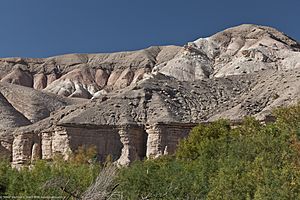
[
  {"x": 107, "y": 142},
  {"x": 4, "y": 152},
  {"x": 144, "y": 145}
]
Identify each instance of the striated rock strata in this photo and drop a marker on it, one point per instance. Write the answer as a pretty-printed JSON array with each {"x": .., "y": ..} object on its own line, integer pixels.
[{"x": 132, "y": 105}]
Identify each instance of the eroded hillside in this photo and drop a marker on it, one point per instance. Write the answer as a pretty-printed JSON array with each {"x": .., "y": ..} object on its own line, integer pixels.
[{"x": 136, "y": 104}]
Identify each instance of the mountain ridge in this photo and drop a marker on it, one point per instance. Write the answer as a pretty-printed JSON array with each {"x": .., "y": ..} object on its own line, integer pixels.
[{"x": 142, "y": 102}]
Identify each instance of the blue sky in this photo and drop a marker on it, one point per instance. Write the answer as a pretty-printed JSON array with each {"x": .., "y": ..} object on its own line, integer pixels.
[{"x": 42, "y": 28}]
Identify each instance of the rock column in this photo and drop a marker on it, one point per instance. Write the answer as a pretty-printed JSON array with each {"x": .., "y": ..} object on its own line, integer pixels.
[
  {"x": 129, "y": 151},
  {"x": 155, "y": 146},
  {"x": 22, "y": 149}
]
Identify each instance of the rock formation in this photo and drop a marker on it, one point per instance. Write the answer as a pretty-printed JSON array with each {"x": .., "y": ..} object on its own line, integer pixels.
[{"x": 132, "y": 105}]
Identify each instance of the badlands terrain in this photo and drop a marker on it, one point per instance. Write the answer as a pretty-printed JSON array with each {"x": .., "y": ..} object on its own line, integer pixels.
[{"x": 132, "y": 105}]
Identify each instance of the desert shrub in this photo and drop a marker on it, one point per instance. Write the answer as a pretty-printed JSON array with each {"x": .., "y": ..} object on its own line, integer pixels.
[
  {"x": 202, "y": 138},
  {"x": 165, "y": 178},
  {"x": 84, "y": 155},
  {"x": 55, "y": 178},
  {"x": 5, "y": 172},
  {"x": 289, "y": 116}
]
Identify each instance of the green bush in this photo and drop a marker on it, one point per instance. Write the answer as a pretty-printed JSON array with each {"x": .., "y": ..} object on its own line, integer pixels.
[{"x": 250, "y": 161}]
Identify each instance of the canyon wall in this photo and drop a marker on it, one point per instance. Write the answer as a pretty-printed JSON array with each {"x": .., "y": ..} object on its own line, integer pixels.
[{"x": 124, "y": 143}]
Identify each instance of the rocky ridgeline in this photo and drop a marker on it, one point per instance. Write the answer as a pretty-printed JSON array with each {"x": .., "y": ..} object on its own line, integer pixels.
[{"x": 138, "y": 104}]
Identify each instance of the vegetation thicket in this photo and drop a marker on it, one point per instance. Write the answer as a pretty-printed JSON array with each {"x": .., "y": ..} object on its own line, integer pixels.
[{"x": 250, "y": 161}]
